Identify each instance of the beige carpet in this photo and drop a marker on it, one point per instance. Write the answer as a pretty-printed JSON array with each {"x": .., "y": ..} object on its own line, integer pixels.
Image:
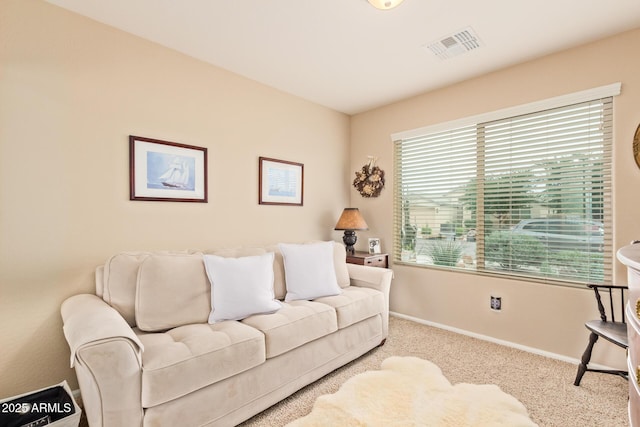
[
  {"x": 543, "y": 385},
  {"x": 410, "y": 391}
]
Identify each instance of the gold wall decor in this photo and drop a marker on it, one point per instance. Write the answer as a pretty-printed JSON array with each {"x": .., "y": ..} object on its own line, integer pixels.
[
  {"x": 636, "y": 146},
  {"x": 369, "y": 179}
]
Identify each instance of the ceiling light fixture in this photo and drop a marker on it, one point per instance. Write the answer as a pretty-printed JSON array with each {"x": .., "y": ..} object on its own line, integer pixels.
[{"x": 385, "y": 4}]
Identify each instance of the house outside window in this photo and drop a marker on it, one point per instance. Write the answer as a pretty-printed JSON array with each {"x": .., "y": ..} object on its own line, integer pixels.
[{"x": 524, "y": 192}]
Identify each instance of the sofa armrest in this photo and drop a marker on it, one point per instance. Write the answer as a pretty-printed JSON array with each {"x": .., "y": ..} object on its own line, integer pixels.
[
  {"x": 88, "y": 319},
  {"x": 106, "y": 355},
  {"x": 375, "y": 278}
]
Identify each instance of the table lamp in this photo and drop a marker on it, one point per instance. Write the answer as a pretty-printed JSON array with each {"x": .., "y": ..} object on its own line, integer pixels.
[{"x": 349, "y": 221}]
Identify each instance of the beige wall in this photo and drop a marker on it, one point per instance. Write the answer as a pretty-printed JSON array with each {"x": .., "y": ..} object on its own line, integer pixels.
[
  {"x": 71, "y": 91},
  {"x": 545, "y": 317}
]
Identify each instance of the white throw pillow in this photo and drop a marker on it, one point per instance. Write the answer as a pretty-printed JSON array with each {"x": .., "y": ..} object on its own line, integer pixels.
[
  {"x": 309, "y": 271},
  {"x": 240, "y": 287}
]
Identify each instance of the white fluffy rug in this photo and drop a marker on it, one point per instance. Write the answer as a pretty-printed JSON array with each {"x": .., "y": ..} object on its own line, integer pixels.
[{"x": 409, "y": 391}]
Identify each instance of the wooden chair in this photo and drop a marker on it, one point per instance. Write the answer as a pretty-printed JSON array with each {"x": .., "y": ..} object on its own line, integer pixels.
[{"x": 609, "y": 329}]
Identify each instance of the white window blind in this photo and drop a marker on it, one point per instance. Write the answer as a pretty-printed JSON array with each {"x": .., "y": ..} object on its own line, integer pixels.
[{"x": 525, "y": 196}]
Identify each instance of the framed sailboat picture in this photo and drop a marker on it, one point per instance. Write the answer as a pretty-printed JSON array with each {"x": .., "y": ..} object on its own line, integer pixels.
[{"x": 166, "y": 171}]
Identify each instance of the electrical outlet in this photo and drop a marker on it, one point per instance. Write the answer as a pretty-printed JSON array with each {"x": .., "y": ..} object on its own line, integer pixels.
[{"x": 496, "y": 303}]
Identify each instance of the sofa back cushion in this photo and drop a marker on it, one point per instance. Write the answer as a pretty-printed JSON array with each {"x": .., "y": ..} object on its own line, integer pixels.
[
  {"x": 173, "y": 290},
  {"x": 119, "y": 277},
  {"x": 279, "y": 288},
  {"x": 340, "y": 264},
  {"x": 120, "y": 274}
]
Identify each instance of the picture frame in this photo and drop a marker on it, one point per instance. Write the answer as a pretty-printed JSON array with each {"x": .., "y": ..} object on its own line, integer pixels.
[
  {"x": 374, "y": 246},
  {"x": 166, "y": 171},
  {"x": 280, "y": 182}
]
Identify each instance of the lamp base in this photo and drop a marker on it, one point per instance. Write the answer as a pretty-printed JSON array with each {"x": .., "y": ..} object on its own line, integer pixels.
[{"x": 349, "y": 240}]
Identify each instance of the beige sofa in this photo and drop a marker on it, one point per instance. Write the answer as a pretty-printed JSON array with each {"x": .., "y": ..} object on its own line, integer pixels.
[{"x": 145, "y": 354}]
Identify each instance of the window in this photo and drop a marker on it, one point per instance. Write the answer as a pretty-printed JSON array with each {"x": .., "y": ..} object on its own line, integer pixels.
[{"x": 525, "y": 195}]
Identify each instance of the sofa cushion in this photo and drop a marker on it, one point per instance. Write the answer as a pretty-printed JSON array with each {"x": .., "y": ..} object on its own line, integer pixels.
[
  {"x": 173, "y": 290},
  {"x": 236, "y": 252},
  {"x": 190, "y": 357},
  {"x": 340, "y": 264},
  {"x": 309, "y": 270},
  {"x": 279, "y": 286},
  {"x": 241, "y": 286},
  {"x": 119, "y": 279},
  {"x": 295, "y": 324},
  {"x": 355, "y": 304},
  {"x": 120, "y": 274}
]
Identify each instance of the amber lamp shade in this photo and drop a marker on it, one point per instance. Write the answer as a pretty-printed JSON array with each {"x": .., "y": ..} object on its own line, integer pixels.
[{"x": 349, "y": 221}]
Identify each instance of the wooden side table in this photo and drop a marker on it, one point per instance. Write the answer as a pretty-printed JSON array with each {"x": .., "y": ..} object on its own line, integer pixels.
[{"x": 371, "y": 260}]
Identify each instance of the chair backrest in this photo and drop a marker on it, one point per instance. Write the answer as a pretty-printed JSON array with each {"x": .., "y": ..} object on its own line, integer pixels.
[{"x": 613, "y": 295}]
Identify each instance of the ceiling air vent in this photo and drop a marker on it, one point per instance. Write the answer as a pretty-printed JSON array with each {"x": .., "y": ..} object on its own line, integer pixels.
[{"x": 455, "y": 44}]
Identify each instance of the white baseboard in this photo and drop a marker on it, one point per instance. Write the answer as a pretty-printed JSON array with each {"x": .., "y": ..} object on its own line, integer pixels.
[{"x": 528, "y": 349}]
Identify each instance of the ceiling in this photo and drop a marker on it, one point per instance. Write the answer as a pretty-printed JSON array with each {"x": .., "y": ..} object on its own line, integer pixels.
[{"x": 351, "y": 57}]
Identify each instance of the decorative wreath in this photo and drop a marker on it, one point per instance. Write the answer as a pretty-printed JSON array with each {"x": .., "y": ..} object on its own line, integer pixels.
[{"x": 369, "y": 179}]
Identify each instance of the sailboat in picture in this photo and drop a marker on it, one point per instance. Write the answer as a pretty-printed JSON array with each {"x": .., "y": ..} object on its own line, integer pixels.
[{"x": 177, "y": 176}]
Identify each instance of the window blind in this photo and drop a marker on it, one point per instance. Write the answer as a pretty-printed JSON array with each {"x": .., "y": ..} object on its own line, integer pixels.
[{"x": 525, "y": 196}]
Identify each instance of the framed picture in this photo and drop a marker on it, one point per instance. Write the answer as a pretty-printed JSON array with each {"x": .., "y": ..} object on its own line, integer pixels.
[
  {"x": 280, "y": 182},
  {"x": 374, "y": 245},
  {"x": 166, "y": 171}
]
